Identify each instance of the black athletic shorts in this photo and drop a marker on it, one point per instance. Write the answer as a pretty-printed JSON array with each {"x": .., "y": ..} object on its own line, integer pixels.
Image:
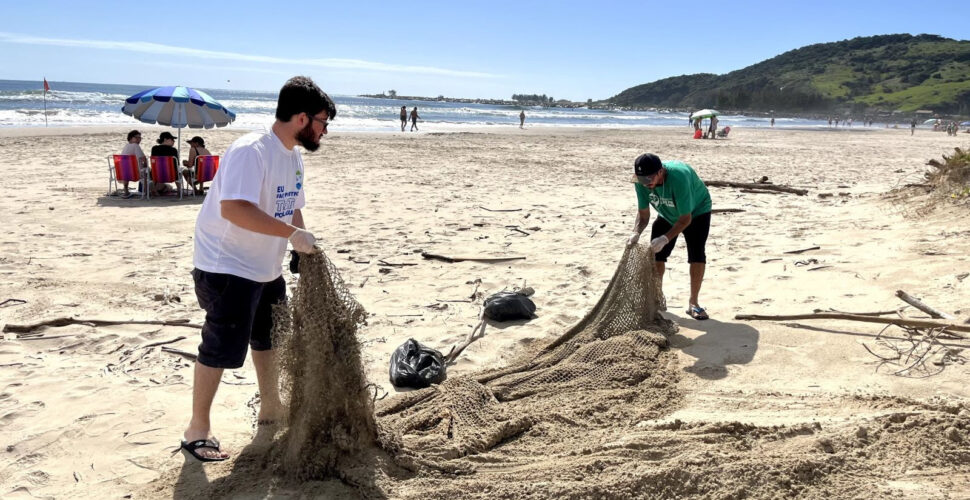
[
  {"x": 695, "y": 234},
  {"x": 238, "y": 312}
]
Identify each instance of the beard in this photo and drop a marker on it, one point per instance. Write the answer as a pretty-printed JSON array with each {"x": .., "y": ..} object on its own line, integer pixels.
[{"x": 307, "y": 139}]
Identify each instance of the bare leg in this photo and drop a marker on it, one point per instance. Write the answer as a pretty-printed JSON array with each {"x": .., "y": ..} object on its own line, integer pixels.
[
  {"x": 204, "y": 389},
  {"x": 661, "y": 267},
  {"x": 126, "y": 188},
  {"x": 267, "y": 376},
  {"x": 696, "y": 278}
]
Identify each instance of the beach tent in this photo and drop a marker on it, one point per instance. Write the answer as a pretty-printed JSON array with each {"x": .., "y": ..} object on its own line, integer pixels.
[
  {"x": 178, "y": 107},
  {"x": 930, "y": 121},
  {"x": 704, "y": 113}
]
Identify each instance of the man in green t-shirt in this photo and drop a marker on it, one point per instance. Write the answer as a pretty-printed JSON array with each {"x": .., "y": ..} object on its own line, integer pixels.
[{"x": 683, "y": 206}]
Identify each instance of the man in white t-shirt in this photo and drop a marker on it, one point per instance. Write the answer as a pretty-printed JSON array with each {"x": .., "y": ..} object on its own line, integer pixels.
[
  {"x": 134, "y": 148},
  {"x": 253, "y": 208}
]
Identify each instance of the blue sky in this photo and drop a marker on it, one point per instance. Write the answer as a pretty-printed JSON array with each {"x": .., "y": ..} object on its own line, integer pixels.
[{"x": 569, "y": 50}]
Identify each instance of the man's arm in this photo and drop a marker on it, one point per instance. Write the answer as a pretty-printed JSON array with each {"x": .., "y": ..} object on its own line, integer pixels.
[
  {"x": 682, "y": 222},
  {"x": 298, "y": 219},
  {"x": 248, "y": 216},
  {"x": 643, "y": 218}
]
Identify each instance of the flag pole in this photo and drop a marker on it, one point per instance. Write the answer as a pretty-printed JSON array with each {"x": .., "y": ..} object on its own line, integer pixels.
[{"x": 45, "y": 101}]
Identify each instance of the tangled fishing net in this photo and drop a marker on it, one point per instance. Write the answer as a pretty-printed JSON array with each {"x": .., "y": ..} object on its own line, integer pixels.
[{"x": 609, "y": 369}]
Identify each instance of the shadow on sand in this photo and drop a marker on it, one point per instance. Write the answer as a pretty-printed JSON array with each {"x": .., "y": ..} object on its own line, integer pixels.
[
  {"x": 255, "y": 475},
  {"x": 720, "y": 345}
]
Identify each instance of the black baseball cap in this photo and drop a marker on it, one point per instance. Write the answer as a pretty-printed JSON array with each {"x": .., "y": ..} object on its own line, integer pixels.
[
  {"x": 196, "y": 140},
  {"x": 645, "y": 166},
  {"x": 165, "y": 135}
]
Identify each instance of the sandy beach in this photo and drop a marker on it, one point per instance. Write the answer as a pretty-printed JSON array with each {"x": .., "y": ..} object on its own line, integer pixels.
[{"x": 95, "y": 411}]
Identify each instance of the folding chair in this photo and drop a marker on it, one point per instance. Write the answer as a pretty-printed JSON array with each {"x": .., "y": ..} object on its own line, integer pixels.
[
  {"x": 206, "y": 167},
  {"x": 164, "y": 169},
  {"x": 123, "y": 168}
]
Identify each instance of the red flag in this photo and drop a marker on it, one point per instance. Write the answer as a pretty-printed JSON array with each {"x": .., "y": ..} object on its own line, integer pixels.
[{"x": 46, "y": 86}]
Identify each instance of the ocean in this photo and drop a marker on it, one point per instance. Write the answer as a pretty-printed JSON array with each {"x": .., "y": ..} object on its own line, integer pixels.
[{"x": 79, "y": 104}]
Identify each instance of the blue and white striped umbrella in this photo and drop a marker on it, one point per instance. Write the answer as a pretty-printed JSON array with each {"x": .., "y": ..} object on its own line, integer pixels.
[{"x": 178, "y": 107}]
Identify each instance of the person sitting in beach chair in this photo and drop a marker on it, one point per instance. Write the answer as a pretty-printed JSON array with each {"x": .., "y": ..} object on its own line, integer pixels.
[
  {"x": 724, "y": 132},
  {"x": 196, "y": 149},
  {"x": 133, "y": 147}
]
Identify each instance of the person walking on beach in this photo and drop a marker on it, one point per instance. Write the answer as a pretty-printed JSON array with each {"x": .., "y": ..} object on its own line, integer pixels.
[
  {"x": 912, "y": 127},
  {"x": 522, "y": 119},
  {"x": 133, "y": 147},
  {"x": 414, "y": 119},
  {"x": 253, "y": 209},
  {"x": 404, "y": 117},
  {"x": 683, "y": 205}
]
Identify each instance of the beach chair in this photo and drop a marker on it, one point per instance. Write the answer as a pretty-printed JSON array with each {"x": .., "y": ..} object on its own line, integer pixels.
[
  {"x": 123, "y": 168},
  {"x": 206, "y": 167},
  {"x": 724, "y": 131},
  {"x": 165, "y": 169}
]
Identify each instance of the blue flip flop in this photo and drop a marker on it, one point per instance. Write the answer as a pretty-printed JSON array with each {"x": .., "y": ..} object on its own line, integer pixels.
[{"x": 697, "y": 312}]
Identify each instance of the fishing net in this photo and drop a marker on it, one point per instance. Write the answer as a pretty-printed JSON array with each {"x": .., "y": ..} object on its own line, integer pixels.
[
  {"x": 610, "y": 369},
  {"x": 330, "y": 413}
]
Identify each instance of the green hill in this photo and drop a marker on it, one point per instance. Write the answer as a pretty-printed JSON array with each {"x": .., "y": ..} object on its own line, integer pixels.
[{"x": 876, "y": 74}]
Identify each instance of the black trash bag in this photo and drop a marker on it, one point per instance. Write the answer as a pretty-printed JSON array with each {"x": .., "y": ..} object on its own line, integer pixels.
[
  {"x": 294, "y": 262},
  {"x": 507, "y": 306},
  {"x": 416, "y": 366}
]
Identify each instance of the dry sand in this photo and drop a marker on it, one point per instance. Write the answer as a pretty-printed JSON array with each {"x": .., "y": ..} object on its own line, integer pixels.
[{"x": 89, "y": 412}]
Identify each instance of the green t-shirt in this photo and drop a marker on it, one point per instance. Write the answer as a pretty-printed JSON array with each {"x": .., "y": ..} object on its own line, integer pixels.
[{"x": 682, "y": 193}]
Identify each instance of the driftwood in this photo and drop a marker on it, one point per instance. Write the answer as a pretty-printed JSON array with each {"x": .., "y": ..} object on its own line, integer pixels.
[
  {"x": 873, "y": 313},
  {"x": 179, "y": 352},
  {"x": 903, "y": 322},
  {"x": 478, "y": 331},
  {"x": 727, "y": 210},
  {"x": 804, "y": 250},
  {"x": 913, "y": 301},
  {"x": 13, "y": 301},
  {"x": 162, "y": 342},
  {"x": 500, "y": 209},
  {"x": 96, "y": 322},
  {"x": 757, "y": 185},
  {"x": 446, "y": 258}
]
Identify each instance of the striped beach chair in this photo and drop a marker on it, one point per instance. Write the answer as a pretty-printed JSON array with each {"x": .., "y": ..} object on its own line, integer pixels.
[
  {"x": 206, "y": 167},
  {"x": 122, "y": 168},
  {"x": 164, "y": 169}
]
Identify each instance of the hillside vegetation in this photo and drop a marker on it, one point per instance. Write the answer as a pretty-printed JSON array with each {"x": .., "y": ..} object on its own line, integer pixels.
[{"x": 876, "y": 74}]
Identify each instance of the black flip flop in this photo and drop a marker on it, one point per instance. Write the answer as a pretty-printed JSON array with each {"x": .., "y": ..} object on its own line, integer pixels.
[{"x": 191, "y": 447}]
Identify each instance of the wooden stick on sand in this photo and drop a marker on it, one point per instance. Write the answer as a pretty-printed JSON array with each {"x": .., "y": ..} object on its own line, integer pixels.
[{"x": 915, "y": 323}]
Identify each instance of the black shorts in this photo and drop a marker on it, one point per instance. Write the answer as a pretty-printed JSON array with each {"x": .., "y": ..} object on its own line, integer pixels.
[
  {"x": 238, "y": 312},
  {"x": 695, "y": 234}
]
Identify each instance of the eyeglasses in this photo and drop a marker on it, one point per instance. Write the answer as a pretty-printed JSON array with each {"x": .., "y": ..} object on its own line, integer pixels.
[{"x": 325, "y": 123}]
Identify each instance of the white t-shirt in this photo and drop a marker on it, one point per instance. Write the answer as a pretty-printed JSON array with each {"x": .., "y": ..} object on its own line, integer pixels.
[
  {"x": 256, "y": 168},
  {"x": 134, "y": 149}
]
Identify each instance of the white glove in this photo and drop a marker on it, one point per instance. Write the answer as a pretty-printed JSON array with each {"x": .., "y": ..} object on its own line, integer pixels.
[
  {"x": 657, "y": 244},
  {"x": 634, "y": 238},
  {"x": 303, "y": 241}
]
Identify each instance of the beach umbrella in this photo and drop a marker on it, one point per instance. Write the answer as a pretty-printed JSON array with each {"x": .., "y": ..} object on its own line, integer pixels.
[
  {"x": 965, "y": 124},
  {"x": 704, "y": 113},
  {"x": 931, "y": 120},
  {"x": 178, "y": 107}
]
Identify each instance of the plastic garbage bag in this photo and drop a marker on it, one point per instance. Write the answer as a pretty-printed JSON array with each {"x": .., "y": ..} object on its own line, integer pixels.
[
  {"x": 416, "y": 366},
  {"x": 507, "y": 306}
]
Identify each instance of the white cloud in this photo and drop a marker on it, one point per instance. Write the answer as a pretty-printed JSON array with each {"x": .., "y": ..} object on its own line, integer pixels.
[{"x": 157, "y": 48}]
